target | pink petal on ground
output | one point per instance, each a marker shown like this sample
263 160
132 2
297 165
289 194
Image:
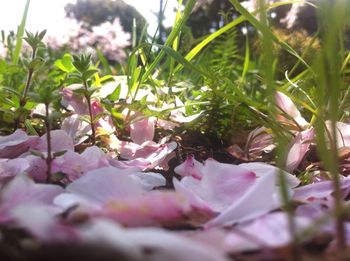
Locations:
261 169
223 184
70 163
190 167
128 150
159 157
43 223
37 168
169 246
94 158
137 164
343 133
105 184
142 130
60 141
287 106
76 128
299 147
17 143
317 211
153 152
108 233
259 199
152 208
21 191
150 180
12 167
259 141
74 102
195 200
165 245
321 190
18 137
269 231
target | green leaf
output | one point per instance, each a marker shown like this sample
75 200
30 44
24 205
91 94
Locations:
37 153
36 63
89 73
65 63
30 128
59 153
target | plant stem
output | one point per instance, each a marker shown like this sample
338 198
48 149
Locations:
48 141
92 124
23 99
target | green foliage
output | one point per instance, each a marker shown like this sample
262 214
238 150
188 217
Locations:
83 64
35 40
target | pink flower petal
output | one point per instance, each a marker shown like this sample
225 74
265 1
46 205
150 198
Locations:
153 152
190 167
21 191
74 102
173 247
94 158
137 164
248 206
37 168
17 143
269 231
299 147
11 167
60 141
105 184
76 128
259 141
150 180
152 208
70 163
321 190
165 245
142 130
287 106
221 185
43 224
195 200
261 169
343 133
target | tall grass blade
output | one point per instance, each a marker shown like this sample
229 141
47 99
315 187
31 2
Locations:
20 33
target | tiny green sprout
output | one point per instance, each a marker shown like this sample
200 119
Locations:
83 65
35 40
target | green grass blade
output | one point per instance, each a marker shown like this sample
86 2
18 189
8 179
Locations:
246 59
172 36
266 30
196 50
20 33
104 61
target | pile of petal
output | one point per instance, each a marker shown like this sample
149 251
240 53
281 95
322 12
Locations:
121 204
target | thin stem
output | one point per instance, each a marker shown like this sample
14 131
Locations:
23 100
92 124
49 158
